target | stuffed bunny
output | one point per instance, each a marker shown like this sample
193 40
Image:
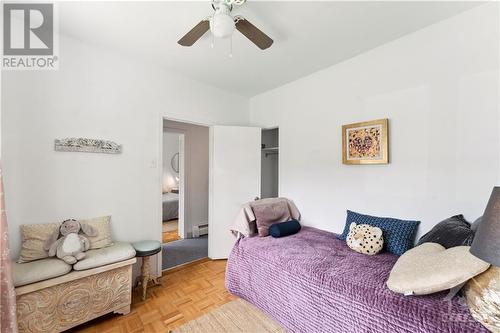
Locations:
71 246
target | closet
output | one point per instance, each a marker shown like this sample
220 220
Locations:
269 163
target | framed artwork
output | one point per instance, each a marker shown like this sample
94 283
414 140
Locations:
366 142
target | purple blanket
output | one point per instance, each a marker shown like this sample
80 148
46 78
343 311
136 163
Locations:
312 282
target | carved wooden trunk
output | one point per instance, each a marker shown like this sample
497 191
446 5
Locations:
58 304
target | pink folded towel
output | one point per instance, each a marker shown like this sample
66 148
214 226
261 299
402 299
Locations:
245 222
266 214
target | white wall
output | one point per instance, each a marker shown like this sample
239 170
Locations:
96 94
170 148
437 86
196 173
439 89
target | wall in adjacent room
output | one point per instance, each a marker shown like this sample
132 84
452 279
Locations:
196 172
269 165
97 94
170 148
439 89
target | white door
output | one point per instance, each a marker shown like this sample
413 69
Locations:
235 159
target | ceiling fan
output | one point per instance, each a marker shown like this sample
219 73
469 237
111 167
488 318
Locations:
222 25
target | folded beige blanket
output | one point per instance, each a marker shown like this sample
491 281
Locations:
272 210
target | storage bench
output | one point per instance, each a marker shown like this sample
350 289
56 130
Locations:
68 300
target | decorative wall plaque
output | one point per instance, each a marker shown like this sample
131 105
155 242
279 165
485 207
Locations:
87 145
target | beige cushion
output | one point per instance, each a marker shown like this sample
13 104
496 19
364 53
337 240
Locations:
94 258
103 227
33 237
38 270
430 268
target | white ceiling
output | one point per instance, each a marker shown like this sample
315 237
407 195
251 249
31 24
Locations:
308 36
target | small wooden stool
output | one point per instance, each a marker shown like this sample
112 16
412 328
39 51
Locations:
146 249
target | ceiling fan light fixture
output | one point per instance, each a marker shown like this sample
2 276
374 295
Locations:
222 25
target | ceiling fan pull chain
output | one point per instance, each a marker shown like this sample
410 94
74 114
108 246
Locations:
212 43
231 46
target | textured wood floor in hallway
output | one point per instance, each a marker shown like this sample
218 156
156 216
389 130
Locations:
169 236
170 231
185 294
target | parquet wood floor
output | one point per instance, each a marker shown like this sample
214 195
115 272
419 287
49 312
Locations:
185 294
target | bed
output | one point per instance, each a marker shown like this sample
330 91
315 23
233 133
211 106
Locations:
312 282
170 206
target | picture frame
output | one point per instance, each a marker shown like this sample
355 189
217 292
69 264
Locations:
366 142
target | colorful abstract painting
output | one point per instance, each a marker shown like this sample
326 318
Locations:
365 143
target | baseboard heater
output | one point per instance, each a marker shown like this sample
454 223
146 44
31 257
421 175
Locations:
200 230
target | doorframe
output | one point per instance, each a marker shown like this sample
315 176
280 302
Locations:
159 164
181 232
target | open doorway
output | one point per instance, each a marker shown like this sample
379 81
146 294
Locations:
173 151
185 193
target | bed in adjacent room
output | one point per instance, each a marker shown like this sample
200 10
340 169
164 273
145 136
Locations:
170 206
313 282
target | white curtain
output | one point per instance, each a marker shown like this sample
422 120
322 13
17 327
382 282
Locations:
8 322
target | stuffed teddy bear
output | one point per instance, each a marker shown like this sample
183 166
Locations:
364 238
71 246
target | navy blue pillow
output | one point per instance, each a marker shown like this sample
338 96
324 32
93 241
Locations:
284 228
399 235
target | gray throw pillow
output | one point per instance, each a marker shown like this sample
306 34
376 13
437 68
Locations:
476 223
454 231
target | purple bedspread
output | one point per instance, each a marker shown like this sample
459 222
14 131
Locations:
312 282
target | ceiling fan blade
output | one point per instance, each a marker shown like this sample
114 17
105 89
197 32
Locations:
253 33
194 34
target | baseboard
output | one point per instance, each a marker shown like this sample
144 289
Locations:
200 231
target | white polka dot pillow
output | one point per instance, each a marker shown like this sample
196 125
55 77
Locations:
364 238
